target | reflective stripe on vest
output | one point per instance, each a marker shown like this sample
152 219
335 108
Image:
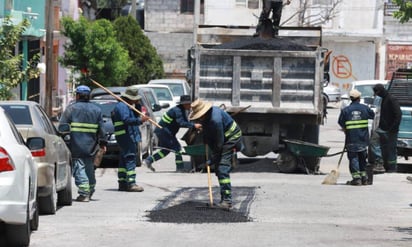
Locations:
84 127
119 128
356 124
166 118
232 133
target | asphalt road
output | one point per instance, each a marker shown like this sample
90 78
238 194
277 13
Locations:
283 209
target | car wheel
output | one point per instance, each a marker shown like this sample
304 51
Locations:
34 222
65 196
19 235
48 204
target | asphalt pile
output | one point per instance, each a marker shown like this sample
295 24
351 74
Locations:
193 212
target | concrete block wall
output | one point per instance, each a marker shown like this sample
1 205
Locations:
172 48
165 16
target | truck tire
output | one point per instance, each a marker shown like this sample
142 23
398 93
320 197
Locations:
287 162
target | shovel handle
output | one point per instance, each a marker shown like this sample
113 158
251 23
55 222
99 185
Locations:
122 100
209 179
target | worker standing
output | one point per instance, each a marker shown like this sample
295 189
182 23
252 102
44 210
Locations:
224 137
274 6
354 121
171 122
86 132
390 119
126 129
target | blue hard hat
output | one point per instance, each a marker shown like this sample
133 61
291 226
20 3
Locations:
82 89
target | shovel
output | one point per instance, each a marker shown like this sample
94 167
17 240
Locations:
332 177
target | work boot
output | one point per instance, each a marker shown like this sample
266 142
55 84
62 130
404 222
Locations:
82 198
355 182
391 169
148 164
135 188
226 205
122 187
364 180
378 169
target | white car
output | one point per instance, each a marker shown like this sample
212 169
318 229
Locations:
178 87
332 93
18 183
164 94
365 87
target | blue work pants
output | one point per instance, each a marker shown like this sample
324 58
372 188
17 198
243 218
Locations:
84 177
126 172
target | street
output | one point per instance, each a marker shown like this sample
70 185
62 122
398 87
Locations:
282 209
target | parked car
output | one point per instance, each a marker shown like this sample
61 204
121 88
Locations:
178 87
54 163
332 93
18 183
107 103
152 98
365 87
164 94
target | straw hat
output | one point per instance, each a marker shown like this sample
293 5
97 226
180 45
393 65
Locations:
131 93
199 108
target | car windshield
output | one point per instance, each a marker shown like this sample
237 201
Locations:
106 107
163 94
177 89
20 114
365 90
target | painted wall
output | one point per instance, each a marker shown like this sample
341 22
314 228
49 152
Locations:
351 61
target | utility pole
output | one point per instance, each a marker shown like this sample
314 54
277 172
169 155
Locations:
48 100
196 18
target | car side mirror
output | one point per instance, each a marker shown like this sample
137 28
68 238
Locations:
64 128
156 107
35 143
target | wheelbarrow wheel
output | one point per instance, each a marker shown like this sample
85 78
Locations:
287 162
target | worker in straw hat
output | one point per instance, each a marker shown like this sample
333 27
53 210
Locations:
171 122
354 121
224 137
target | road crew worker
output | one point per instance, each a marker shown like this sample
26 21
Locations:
171 122
86 133
354 121
224 137
126 129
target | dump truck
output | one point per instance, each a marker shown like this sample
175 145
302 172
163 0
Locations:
273 87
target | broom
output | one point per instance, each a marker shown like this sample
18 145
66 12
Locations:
332 177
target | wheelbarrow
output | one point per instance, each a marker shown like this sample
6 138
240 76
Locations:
297 152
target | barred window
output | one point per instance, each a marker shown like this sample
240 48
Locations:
188 6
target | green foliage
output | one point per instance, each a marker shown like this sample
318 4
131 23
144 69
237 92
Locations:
405 10
11 73
147 64
93 47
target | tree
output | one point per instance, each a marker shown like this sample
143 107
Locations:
147 64
314 15
405 10
94 50
11 72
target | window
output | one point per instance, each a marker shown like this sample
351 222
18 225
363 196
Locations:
250 4
188 6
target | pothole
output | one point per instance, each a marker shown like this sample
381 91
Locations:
190 205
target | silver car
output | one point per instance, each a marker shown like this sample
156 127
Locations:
18 178
54 180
